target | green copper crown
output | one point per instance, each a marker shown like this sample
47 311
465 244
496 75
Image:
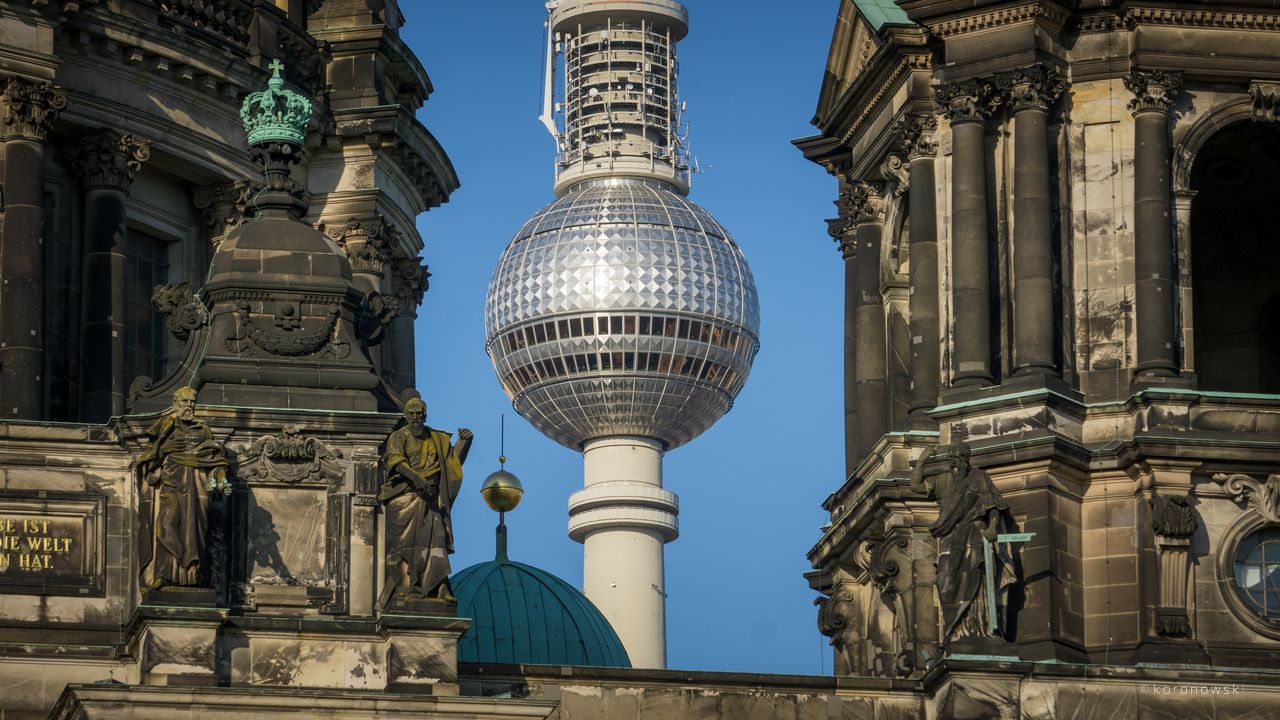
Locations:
275 114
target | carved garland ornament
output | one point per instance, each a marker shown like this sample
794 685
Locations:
291 457
248 334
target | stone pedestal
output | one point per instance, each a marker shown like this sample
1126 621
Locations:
422 652
178 645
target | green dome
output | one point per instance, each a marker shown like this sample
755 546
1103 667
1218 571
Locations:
520 614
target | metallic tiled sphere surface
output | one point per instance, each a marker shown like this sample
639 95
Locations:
622 308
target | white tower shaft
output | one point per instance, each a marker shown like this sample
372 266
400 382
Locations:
624 517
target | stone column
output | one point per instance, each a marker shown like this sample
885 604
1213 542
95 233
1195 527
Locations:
967 105
869 332
222 207
1153 222
105 160
409 282
30 107
920 142
1030 91
841 230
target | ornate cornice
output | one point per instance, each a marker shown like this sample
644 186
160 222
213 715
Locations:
30 107
1223 19
1155 90
970 100
917 136
223 206
998 17
369 243
1260 496
1034 87
106 158
410 280
913 61
1266 101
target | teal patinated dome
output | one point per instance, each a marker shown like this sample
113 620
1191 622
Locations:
522 615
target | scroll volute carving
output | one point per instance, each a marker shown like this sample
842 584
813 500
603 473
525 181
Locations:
840 618
1260 496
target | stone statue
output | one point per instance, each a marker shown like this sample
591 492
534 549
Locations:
970 512
422 473
181 466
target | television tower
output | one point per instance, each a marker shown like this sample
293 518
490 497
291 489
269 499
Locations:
622 319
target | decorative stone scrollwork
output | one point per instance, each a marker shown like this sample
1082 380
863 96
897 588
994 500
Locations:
891 630
1260 496
898 173
970 100
183 311
106 158
841 227
249 335
1032 87
290 457
30 108
838 620
1155 89
1266 101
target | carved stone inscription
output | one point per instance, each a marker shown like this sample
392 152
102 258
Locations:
51 543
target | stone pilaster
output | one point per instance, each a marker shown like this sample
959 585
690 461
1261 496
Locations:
1173 521
106 161
30 107
869 325
841 230
1154 92
967 105
1030 91
918 138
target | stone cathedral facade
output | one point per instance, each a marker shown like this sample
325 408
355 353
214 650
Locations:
1054 223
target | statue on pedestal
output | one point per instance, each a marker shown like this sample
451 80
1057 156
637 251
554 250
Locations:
179 469
971 516
422 473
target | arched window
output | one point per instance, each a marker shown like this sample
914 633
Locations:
1235 254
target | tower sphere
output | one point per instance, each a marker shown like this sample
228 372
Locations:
622 308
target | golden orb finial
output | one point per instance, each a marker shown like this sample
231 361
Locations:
502 491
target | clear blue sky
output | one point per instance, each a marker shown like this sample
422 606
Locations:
749 488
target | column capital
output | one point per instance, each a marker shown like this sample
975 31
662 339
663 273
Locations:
1032 87
971 100
106 158
368 242
30 107
409 282
916 135
224 205
868 202
841 227
1154 90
